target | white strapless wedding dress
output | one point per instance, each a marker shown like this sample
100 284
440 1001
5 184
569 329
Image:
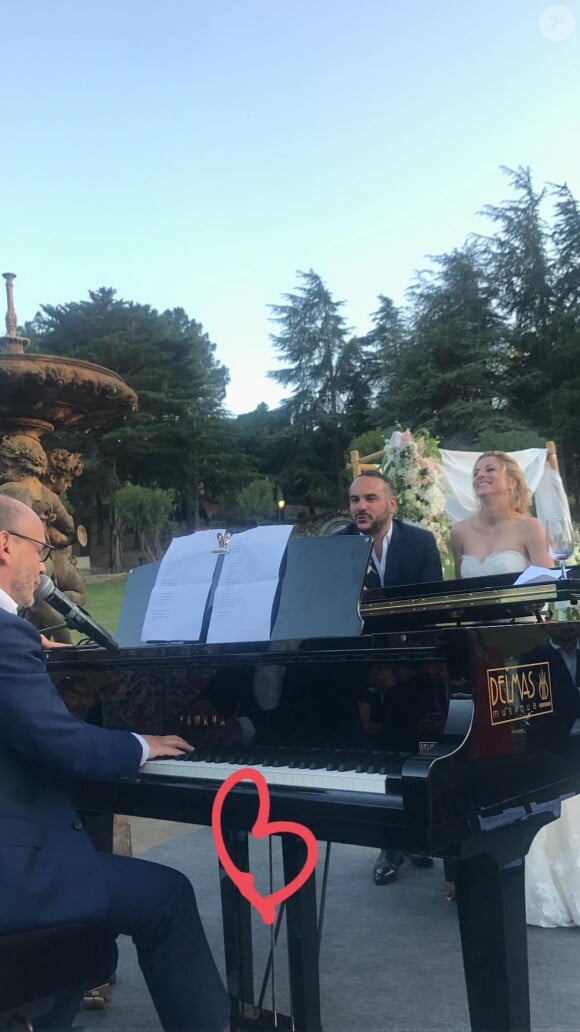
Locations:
494 563
553 871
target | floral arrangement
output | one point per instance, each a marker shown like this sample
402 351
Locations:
412 464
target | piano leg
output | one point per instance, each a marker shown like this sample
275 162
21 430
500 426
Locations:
237 926
492 922
303 943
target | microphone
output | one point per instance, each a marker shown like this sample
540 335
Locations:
75 616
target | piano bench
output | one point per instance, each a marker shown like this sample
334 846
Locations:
37 964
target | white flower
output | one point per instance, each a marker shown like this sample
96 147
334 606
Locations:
410 465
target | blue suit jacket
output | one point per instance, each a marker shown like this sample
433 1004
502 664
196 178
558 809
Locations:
412 557
49 870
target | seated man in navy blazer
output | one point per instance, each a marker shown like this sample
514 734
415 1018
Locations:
402 554
50 872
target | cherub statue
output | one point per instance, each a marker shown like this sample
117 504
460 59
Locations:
63 467
22 462
27 473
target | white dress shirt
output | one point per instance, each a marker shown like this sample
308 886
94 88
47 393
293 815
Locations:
381 563
8 603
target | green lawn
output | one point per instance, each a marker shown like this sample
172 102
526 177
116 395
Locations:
448 565
104 599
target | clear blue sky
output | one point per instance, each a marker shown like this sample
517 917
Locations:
197 154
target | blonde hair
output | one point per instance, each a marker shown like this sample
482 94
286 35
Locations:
520 493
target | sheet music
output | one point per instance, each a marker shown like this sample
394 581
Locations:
178 599
538 575
242 606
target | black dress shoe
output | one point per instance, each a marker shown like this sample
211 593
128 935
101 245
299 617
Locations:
420 860
386 866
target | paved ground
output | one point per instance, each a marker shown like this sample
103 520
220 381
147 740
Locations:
390 958
148 833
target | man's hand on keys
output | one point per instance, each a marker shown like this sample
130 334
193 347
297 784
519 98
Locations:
167 745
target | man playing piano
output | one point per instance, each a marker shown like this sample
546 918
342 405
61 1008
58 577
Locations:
402 554
51 874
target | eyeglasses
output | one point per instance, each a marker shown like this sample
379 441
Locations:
44 550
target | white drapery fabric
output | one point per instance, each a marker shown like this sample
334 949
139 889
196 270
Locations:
543 481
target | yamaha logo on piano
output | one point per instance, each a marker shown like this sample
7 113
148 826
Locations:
519 692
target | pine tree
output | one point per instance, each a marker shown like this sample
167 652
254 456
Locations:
384 347
519 271
312 342
448 374
564 387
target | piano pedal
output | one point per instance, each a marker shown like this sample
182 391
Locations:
258 1019
97 998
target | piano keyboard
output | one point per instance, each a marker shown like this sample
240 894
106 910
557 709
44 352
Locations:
289 776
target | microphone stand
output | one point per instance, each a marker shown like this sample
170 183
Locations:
55 627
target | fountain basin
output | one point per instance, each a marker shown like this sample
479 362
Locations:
62 393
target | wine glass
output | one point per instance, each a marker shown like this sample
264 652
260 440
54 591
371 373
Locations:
560 541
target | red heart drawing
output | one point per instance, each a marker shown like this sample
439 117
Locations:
245 880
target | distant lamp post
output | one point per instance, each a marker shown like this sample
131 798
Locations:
281 506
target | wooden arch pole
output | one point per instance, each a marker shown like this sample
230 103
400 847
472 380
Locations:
358 464
354 464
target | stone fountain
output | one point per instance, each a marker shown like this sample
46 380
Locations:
40 394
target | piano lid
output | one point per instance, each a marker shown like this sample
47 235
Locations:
472 599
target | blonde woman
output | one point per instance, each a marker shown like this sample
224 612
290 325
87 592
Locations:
501 537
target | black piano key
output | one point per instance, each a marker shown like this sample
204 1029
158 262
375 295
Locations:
316 760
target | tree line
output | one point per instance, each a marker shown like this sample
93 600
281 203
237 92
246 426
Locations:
485 353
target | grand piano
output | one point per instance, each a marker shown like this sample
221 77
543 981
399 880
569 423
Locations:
434 722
